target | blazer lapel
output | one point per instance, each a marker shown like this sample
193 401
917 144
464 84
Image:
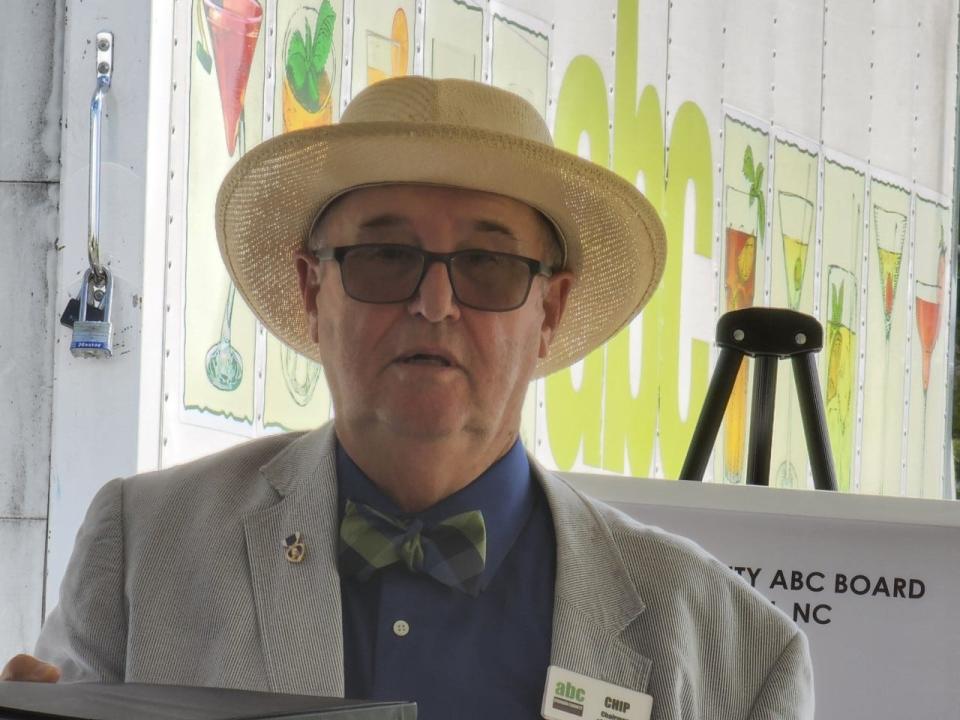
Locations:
298 604
595 600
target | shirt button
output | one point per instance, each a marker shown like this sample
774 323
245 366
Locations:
401 628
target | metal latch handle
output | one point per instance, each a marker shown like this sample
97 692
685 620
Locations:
104 77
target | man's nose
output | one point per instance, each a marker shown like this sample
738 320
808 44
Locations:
435 300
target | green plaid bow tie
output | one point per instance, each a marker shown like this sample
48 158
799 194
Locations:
453 551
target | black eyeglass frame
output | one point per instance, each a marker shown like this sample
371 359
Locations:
428 258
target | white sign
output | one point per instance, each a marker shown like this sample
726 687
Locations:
873 582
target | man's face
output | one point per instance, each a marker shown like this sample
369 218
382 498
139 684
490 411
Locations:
428 367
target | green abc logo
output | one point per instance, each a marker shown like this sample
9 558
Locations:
570 691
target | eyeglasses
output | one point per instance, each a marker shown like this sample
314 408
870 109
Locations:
390 273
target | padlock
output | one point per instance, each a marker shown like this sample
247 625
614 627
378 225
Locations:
93 338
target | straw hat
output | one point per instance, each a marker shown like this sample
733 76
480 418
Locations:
441 132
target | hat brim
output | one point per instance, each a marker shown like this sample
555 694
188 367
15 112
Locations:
615 242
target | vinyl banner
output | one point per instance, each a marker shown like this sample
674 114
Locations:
799 158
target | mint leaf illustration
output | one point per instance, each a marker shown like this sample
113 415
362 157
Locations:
307 55
748 164
323 38
836 304
754 175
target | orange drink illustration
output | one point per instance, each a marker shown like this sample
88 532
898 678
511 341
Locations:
388 56
739 279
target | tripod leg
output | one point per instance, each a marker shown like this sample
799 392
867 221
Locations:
761 420
814 422
714 406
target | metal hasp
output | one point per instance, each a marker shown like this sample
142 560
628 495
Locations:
768 335
104 77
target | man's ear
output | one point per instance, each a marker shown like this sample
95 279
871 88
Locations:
554 303
308 277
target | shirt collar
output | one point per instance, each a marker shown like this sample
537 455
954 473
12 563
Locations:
504 493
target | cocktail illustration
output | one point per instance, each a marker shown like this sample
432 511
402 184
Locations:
309 68
890 231
739 278
234 29
929 301
796 228
388 56
841 341
300 375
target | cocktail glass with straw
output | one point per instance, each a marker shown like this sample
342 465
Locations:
234 29
739 279
841 341
890 231
796 230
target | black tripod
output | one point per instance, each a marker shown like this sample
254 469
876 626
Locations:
766 334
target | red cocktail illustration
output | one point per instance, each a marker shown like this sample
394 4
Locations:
929 301
234 29
890 230
928 325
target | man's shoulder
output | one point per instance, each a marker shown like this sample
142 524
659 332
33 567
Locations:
669 571
231 478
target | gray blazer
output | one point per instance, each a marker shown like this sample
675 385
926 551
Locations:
180 577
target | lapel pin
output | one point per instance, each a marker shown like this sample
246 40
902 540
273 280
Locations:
294 547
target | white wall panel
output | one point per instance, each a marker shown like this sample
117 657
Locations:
21 584
798 66
847 42
30 82
28 216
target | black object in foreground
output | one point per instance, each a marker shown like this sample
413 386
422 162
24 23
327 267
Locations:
767 334
95 701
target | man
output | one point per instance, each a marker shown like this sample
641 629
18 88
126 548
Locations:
435 253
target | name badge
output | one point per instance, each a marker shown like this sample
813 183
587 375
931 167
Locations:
569 695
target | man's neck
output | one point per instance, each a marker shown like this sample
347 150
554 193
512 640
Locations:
418 473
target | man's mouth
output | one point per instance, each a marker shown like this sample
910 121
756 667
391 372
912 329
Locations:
426 359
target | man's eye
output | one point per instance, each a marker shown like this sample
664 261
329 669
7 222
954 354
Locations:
391 254
479 260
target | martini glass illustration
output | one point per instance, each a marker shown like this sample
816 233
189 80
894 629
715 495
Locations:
387 56
309 68
890 231
739 279
841 340
300 375
796 229
234 29
929 301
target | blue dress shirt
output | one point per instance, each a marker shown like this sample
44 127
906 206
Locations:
408 637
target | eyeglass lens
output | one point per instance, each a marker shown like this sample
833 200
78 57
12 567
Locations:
480 279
